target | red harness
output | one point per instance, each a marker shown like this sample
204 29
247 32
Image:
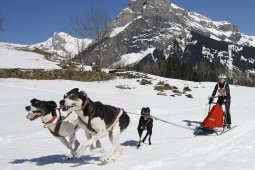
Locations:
88 125
57 127
118 111
52 119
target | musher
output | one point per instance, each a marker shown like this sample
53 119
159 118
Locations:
224 97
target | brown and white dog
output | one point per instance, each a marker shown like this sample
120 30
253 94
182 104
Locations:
98 120
61 124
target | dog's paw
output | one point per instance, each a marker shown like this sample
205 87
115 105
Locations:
69 155
98 150
108 158
117 152
80 152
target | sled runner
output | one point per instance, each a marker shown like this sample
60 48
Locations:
214 123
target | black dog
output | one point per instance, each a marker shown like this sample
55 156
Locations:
145 123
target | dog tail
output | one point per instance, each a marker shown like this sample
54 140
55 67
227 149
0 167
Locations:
124 121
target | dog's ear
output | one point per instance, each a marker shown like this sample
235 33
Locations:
82 93
75 90
33 100
52 104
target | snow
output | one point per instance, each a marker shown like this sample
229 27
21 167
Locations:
27 145
63 44
247 40
215 31
252 71
230 59
212 27
243 59
118 30
197 16
214 37
176 7
13 58
132 58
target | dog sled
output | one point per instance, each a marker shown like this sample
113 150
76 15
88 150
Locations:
214 123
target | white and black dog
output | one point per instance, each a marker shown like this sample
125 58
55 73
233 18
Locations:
97 119
60 123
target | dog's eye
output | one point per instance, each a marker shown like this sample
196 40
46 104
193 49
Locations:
73 96
35 104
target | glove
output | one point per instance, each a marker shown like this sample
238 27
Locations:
210 100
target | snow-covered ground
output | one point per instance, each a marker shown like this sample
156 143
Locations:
27 145
10 57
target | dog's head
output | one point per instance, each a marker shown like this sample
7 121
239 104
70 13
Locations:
145 112
39 108
73 100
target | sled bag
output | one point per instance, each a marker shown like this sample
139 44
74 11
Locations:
214 117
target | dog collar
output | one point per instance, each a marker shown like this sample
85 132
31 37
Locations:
52 119
85 104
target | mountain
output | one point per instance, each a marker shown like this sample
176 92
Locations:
63 45
158 27
60 47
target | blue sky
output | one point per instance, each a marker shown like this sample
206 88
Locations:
33 21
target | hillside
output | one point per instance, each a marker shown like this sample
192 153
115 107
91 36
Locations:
44 55
21 56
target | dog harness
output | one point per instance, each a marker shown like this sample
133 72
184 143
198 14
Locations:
145 124
88 125
58 124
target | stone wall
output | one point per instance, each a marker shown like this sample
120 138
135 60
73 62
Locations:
55 74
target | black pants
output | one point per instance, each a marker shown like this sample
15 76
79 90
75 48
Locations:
227 102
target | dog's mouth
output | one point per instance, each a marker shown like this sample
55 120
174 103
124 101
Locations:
65 107
33 115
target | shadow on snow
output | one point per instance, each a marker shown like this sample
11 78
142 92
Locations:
130 143
195 124
61 159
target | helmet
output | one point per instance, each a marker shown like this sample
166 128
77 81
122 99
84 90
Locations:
222 76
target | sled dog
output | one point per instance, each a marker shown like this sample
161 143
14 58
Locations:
145 123
61 124
98 120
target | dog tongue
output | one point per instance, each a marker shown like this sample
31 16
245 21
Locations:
33 115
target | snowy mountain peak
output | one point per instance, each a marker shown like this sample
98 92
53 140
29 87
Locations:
162 26
179 17
64 45
137 5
